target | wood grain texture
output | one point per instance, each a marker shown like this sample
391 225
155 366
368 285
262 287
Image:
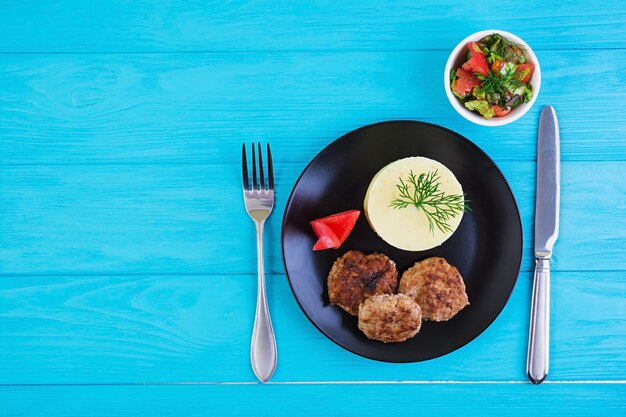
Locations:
137 329
159 26
316 400
125 254
186 219
197 108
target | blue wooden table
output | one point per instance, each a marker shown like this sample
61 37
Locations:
127 272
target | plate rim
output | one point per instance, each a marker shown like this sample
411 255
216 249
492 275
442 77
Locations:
343 137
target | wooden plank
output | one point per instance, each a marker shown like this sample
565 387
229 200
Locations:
186 219
118 26
314 400
107 108
137 329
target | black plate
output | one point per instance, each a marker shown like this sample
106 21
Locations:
486 248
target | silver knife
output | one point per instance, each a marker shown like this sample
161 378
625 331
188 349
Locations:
546 233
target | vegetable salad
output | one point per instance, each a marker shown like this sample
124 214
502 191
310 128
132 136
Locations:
495 77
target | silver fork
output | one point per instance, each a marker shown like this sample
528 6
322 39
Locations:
259 202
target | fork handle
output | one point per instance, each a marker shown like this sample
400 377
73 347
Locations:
263 346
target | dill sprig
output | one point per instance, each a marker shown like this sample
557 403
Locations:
423 193
497 87
503 80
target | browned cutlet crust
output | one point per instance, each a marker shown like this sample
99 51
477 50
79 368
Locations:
437 287
390 317
355 277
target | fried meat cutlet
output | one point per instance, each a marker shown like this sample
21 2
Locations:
437 287
355 277
390 317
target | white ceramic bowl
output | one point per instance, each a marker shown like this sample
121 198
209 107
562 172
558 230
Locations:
459 56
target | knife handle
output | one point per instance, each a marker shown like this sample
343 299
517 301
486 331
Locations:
539 336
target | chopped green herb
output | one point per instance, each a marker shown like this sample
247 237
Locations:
423 193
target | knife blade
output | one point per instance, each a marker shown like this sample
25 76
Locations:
548 184
546 233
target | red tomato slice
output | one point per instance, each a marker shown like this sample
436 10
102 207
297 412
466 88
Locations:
499 111
325 242
327 238
513 55
477 62
341 223
464 83
525 72
474 48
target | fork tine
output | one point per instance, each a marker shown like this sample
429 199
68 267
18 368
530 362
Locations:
255 181
270 169
261 173
244 169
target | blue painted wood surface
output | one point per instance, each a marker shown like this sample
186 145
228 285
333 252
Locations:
127 273
322 399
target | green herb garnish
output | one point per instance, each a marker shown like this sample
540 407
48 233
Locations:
423 193
495 86
497 46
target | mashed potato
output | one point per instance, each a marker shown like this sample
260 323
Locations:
408 228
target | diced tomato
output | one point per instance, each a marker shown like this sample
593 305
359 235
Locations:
327 239
464 83
333 230
499 111
497 65
474 48
341 223
325 242
525 72
477 62
514 54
